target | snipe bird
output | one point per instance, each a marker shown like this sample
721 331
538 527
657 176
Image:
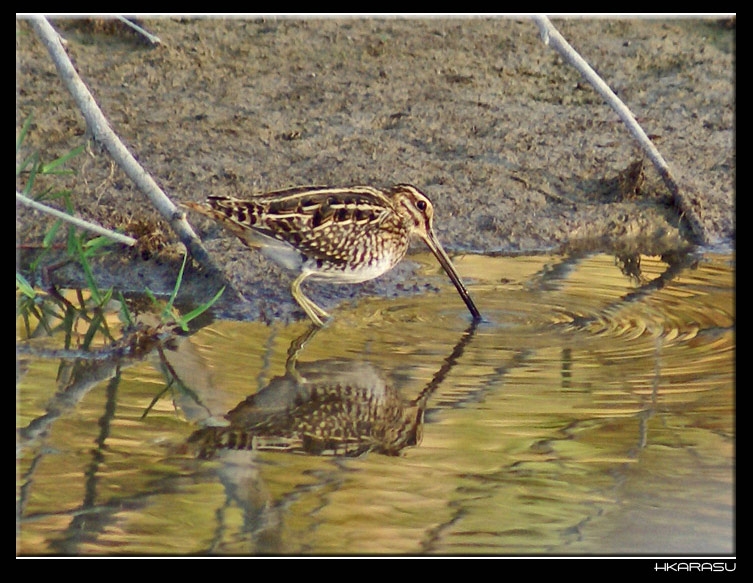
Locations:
338 235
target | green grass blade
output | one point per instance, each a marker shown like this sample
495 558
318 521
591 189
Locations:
92 246
186 318
24 133
32 173
47 241
178 283
52 167
88 275
124 311
96 322
23 285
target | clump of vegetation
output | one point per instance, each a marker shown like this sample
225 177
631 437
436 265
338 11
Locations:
45 308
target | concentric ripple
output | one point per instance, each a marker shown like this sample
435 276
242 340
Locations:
592 411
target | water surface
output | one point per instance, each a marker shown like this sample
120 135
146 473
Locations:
592 412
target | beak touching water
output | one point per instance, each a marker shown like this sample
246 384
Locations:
444 261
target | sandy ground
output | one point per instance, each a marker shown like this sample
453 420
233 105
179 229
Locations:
517 152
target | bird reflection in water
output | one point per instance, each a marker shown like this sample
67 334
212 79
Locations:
325 407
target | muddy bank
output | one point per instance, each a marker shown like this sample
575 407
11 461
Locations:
516 151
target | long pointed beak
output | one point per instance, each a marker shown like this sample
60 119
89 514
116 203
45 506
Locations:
444 261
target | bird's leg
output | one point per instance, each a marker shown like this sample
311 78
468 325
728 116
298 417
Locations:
318 315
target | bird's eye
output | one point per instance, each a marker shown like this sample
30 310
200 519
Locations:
421 205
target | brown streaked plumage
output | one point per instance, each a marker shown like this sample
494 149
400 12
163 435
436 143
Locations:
337 407
340 235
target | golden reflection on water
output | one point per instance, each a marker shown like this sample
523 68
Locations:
592 412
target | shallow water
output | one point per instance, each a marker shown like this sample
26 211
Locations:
592 412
